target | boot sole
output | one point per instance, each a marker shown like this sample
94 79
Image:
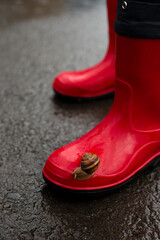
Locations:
81 99
101 192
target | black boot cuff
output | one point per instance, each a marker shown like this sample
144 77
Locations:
138 19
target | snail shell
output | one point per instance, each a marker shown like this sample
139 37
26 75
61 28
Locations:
89 164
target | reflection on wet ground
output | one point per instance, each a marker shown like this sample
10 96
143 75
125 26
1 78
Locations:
46 38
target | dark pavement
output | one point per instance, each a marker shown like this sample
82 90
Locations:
38 39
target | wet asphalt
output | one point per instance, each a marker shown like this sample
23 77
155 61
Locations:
38 39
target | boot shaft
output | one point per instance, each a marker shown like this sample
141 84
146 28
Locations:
137 67
111 10
137 61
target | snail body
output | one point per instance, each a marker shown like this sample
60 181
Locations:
89 164
79 174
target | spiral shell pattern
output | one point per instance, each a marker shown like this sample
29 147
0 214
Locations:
90 163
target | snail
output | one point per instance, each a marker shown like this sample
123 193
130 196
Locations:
89 164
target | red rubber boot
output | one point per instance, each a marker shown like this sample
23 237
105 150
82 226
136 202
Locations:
95 81
128 139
